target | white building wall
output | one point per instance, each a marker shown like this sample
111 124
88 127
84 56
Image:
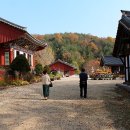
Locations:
26 55
14 54
20 52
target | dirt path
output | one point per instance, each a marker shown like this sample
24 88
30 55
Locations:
21 108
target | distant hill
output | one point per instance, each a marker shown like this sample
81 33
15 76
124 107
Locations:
73 48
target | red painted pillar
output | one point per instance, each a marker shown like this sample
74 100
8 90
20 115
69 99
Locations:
2 58
11 55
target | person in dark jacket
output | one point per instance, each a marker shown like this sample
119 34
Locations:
83 83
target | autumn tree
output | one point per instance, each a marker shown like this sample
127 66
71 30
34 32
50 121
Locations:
74 48
92 65
45 56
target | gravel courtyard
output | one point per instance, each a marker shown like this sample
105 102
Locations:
107 107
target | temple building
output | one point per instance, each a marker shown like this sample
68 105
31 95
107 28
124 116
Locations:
63 67
122 43
15 40
113 63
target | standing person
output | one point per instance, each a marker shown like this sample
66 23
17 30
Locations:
45 82
83 83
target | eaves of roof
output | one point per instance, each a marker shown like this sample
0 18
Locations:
27 35
63 62
12 24
36 41
111 61
125 21
123 27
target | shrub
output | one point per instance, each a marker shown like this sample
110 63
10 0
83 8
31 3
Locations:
58 76
3 83
54 72
36 79
39 69
20 64
9 75
47 69
19 82
52 76
28 77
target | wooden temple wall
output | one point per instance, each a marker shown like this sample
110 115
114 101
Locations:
12 53
7 33
62 68
3 52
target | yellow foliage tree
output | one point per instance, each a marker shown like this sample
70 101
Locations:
58 37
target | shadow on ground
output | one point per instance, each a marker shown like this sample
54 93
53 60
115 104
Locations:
119 107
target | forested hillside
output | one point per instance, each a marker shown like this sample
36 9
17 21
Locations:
74 48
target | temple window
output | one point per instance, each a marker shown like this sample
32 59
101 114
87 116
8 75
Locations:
6 58
29 59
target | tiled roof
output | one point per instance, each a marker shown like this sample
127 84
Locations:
123 33
125 21
26 34
111 61
63 62
36 40
12 24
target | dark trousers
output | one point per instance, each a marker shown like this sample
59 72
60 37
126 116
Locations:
45 90
83 90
